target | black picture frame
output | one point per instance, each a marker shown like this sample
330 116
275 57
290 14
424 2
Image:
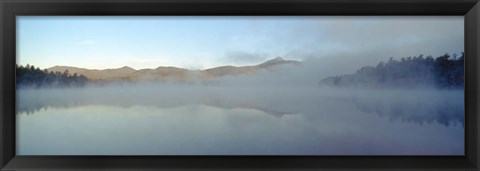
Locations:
470 9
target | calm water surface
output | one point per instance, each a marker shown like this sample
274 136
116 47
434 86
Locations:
119 121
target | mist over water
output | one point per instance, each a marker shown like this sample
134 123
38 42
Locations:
227 119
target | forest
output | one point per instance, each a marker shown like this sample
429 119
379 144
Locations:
444 71
31 76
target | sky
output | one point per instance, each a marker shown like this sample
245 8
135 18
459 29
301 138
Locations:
201 42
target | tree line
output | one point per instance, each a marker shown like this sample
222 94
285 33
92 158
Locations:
444 71
31 76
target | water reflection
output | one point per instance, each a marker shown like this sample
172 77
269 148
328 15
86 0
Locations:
417 106
238 121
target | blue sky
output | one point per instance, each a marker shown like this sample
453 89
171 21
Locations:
101 42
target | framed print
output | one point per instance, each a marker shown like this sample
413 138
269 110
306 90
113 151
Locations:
239 85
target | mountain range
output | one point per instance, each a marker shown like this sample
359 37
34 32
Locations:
172 73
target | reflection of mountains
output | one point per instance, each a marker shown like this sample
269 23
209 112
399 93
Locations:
413 106
31 109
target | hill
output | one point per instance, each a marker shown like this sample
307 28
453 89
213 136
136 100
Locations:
172 73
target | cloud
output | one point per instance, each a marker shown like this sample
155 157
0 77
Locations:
347 43
88 42
241 57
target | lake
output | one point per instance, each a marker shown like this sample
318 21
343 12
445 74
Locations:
216 120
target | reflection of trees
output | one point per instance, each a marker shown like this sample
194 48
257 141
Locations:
421 113
34 108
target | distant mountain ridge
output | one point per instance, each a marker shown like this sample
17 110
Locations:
172 73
